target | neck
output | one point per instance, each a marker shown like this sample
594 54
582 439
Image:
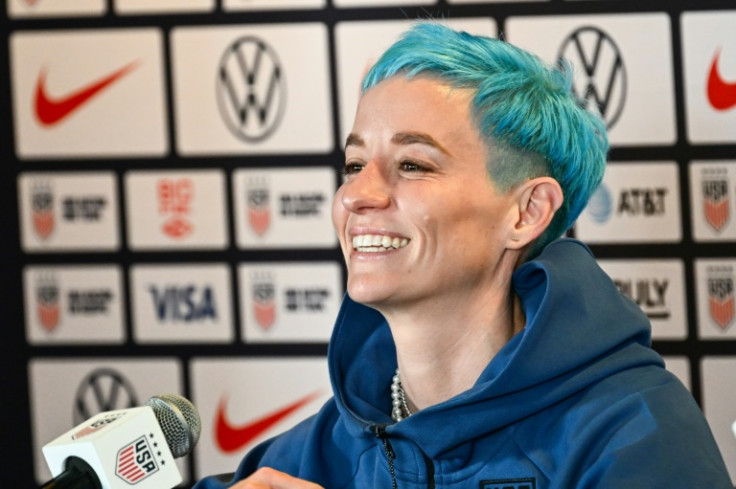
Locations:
443 349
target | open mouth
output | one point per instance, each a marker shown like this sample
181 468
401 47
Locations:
374 243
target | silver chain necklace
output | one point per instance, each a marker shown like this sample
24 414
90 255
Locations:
399 408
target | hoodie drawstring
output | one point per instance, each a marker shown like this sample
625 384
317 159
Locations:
380 432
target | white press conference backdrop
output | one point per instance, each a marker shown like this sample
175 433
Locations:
170 166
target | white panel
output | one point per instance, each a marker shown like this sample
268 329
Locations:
55 8
628 54
658 288
88 93
709 59
714 286
289 302
64 393
176 209
252 89
71 211
637 202
719 404
712 200
245 392
80 304
181 303
284 208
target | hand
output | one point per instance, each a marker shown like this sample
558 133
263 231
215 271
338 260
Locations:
268 478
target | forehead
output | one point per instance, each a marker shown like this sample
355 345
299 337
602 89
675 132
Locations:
421 104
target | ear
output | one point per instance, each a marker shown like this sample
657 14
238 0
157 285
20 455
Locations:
538 199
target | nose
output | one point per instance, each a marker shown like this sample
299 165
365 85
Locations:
366 190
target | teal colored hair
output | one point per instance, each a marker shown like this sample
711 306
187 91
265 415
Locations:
530 120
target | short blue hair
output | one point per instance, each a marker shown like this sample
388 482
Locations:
525 110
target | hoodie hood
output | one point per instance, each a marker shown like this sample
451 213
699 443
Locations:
579 329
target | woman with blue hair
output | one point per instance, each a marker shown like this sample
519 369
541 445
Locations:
474 348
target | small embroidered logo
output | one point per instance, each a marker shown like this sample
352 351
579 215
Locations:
526 483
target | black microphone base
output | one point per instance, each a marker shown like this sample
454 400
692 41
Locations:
77 475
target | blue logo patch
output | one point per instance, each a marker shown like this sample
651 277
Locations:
526 483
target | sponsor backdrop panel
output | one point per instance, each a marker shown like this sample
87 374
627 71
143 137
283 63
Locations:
74 304
289 302
109 102
284 208
719 404
252 89
236 5
243 409
658 288
176 209
635 203
18 9
71 212
66 392
622 65
709 58
712 201
170 165
124 7
181 303
715 298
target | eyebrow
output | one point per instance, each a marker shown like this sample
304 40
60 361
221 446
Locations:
403 139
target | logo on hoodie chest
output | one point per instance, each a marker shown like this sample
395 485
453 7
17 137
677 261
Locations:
525 483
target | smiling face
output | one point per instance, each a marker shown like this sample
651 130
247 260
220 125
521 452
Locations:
418 218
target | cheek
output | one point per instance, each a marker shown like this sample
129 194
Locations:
338 211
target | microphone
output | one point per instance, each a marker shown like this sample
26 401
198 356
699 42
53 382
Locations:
130 448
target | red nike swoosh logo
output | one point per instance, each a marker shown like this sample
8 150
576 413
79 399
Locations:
50 111
721 94
231 438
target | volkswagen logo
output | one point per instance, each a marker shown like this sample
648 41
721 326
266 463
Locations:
251 92
602 82
104 389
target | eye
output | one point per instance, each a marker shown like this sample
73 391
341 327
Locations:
412 167
351 168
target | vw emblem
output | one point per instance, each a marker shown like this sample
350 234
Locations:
602 82
251 92
104 389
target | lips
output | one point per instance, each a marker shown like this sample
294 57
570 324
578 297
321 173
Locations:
374 243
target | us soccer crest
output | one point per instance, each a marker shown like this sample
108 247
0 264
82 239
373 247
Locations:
716 202
264 304
259 208
42 210
135 461
721 300
47 303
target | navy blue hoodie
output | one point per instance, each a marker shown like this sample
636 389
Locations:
577 399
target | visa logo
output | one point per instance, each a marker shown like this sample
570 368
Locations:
189 303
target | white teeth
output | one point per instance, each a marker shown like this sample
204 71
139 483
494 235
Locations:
372 243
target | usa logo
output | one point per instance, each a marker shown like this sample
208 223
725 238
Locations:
251 92
259 207
264 306
716 202
721 300
525 483
42 210
47 303
174 200
135 461
603 84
